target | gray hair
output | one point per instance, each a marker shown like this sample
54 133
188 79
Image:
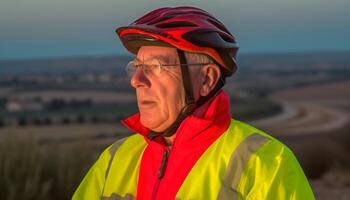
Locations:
202 58
198 58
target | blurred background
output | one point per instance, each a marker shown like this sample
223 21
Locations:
63 88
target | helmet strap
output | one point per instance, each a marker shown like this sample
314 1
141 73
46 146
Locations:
186 79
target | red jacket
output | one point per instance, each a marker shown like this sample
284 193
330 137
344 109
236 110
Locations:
163 169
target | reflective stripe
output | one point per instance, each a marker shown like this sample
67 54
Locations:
118 197
123 171
237 164
112 150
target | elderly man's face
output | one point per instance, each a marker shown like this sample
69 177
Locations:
160 98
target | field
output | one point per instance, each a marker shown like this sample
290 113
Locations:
94 96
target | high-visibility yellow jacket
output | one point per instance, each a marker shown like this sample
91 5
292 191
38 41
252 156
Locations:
214 157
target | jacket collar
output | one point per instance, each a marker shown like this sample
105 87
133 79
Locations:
215 116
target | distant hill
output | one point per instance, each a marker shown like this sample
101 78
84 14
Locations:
300 56
279 62
58 66
293 60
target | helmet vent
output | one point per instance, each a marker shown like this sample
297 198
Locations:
159 19
218 25
177 24
227 38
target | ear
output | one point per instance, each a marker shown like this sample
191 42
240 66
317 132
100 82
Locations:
210 75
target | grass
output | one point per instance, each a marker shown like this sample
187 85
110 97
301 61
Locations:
31 171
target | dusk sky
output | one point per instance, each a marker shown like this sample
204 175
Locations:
61 28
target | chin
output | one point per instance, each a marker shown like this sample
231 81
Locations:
150 124
147 121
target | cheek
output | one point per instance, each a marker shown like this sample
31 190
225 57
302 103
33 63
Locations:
172 99
175 101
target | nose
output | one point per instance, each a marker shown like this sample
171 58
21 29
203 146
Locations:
139 79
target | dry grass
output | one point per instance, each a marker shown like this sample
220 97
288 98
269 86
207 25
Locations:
71 131
32 171
335 184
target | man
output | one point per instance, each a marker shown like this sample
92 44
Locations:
186 145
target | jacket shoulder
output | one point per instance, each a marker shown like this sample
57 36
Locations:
93 184
271 169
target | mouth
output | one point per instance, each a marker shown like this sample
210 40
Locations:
147 102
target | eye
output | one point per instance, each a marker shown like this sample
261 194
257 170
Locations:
137 65
152 68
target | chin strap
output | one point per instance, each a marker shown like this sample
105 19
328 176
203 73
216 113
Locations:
190 103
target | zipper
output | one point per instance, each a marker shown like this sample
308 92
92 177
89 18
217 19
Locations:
161 172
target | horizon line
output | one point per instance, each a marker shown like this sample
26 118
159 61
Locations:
107 55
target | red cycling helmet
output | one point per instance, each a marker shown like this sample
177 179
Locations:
186 28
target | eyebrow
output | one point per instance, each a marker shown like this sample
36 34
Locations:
166 59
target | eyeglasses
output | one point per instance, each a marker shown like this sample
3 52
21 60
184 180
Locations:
152 69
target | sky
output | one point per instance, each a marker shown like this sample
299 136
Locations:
31 29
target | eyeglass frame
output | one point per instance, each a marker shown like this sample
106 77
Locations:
160 66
